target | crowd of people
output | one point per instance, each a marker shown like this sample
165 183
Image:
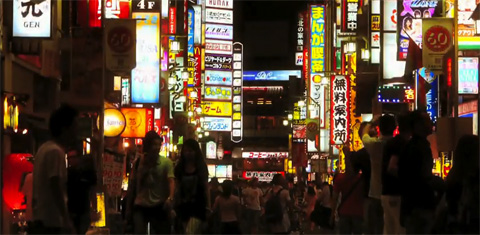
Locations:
386 188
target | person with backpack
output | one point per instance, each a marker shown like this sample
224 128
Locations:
278 201
350 186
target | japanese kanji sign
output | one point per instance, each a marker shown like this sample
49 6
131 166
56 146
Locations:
349 15
32 19
317 98
317 39
340 109
300 31
114 9
437 40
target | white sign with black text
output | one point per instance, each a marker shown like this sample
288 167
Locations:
32 19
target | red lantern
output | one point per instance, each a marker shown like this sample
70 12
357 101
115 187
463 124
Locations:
14 167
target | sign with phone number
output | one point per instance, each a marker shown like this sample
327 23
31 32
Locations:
217 124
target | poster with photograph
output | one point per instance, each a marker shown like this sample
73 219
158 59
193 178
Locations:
409 24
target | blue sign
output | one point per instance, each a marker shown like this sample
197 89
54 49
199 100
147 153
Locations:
273 75
317 39
191 36
432 100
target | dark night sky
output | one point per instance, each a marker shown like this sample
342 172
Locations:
267 30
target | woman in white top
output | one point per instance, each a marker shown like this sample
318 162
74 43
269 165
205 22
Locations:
229 208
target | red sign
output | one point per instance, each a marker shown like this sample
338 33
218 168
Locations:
437 38
197 63
172 18
114 9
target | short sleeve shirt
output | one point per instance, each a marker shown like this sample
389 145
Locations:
49 162
153 186
352 205
252 198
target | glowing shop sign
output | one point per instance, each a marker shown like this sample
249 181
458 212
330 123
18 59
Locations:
349 15
468 75
340 109
218 31
218 16
227 4
263 176
317 98
32 19
264 154
146 76
217 124
114 9
270 75
211 150
237 124
218 47
114 122
218 93
218 78
216 108
317 39
139 121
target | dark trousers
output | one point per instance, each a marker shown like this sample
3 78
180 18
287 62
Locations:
231 228
157 217
374 216
37 227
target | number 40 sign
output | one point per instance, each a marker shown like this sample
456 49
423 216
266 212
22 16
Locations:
437 40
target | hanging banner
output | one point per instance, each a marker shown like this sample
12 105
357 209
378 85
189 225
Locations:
32 19
339 110
437 40
410 17
317 39
120 45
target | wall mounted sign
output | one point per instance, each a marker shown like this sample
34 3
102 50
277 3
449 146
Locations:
339 109
218 62
317 98
437 40
120 45
317 39
145 5
217 124
237 122
217 108
211 152
222 78
390 15
139 121
300 33
468 75
114 122
218 47
32 19
218 93
262 176
218 16
227 4
114 9
349 15
270 75
218 31
264 154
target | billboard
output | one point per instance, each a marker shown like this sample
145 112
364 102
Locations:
146 76
218 16
221 78
139 122
218 47
218 93
317 39
339 109
410 26
270 75
218 31
217 124
217 108
468 75
32 19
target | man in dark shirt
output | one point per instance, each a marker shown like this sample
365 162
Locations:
415 174
391 190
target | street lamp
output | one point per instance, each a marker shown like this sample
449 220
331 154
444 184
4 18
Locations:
285 122
301 103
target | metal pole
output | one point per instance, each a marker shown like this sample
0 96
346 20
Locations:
1 142
455 81
101 144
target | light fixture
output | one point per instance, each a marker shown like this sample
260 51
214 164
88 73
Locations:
199 129
349 47
172 80
202 120
365 54
175 46
311 107
185 74
325 81
25 131
301 103
199 110
200 136
190 113
193 94
285 122
290 116
207 133
126 144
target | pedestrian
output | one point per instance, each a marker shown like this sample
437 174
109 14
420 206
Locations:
253 199
191 197
229 208
415 175
374 146
310 201
461 200
49 197
151 189
350 186
391 199
324 205
276 207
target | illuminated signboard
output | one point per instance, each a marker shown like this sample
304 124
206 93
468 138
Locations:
139 122
114 123
145 5
410 26
375 23
218 47
217 108
218 62
340 109
218 78
217 124
227 4
270 75
114 9
172 19
432 100
393 68
390 15
218 93
468 75
466 25
146 76
197 65
191 19
237 125
264 154
317 39
125 92
32 19
217 31
197 24
349 15
396 94
262 176
218 16
211 150
317 98
300 32
299 58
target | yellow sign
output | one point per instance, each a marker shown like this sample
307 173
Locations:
217 109
114 123
138 122
10 117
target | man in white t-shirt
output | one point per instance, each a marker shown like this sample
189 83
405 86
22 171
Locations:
49 198
253 196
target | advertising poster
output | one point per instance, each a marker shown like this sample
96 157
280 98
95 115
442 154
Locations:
437 40
221 78
410 16
32 19
317 39
217 124
468 75
211 150
139 122
340 110
113 166
146 76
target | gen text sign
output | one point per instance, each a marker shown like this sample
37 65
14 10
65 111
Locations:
32 19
